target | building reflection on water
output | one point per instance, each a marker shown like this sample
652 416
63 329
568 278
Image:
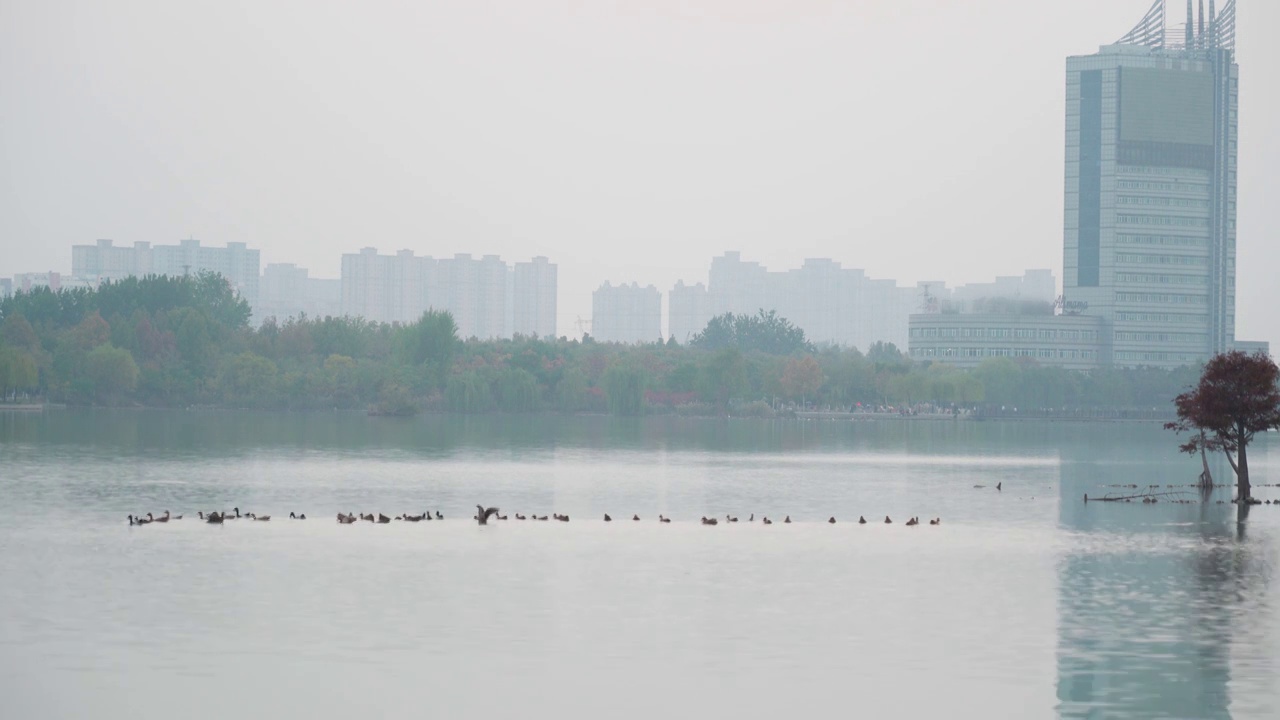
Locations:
1150 596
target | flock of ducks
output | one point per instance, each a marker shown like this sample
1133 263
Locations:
482 517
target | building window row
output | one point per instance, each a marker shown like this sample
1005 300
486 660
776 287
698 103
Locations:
1161 357
980 353
946 333
1161 298
1159 171
1163 201
1163 318
1143 259
1151 279
1174 240
1168 186
1163 220
1179 338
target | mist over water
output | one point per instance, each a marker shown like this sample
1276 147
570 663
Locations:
1023 603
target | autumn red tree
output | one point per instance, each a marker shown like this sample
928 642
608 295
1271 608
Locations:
1236 398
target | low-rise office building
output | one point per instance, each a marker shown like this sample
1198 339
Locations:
1074 342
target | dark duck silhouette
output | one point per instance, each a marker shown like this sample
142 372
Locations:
214 519
635 517
710 521
607 518
887 521
483 514
862 520
786 520
831 520
383 519
520 517
767 521
936 521
663 519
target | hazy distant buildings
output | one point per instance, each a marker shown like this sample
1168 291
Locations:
833 305
479 292
287 291
689 309
626 314
104 261
534 298
6 287
26 282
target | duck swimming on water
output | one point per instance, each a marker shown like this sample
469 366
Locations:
862 520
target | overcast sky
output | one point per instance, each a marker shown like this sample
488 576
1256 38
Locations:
626 140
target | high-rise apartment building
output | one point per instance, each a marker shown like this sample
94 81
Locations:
287 291
689 309
104 261
1150 229
832 304
478 292
626 314
534 298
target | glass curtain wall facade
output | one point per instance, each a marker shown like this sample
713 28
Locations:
1150 227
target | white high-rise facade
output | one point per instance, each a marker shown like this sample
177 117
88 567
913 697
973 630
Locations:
236 262
626 314
1149 239
534 298
478 292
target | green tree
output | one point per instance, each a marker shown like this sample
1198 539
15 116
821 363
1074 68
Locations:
624 386
801 378
764 332
17 372
248 380
724 377
111 372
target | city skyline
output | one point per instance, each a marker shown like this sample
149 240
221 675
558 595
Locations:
634 197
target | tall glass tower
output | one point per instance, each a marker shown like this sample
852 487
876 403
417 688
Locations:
1149 241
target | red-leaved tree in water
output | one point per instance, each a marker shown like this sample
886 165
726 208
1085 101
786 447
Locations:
1236 398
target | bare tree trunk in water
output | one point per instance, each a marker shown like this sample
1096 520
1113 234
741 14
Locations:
1242 469
1206 477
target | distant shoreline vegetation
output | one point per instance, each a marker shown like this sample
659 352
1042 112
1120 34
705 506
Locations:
162 341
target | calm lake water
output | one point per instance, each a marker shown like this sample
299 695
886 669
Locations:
1023 603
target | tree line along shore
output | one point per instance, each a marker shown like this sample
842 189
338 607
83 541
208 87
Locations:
161 341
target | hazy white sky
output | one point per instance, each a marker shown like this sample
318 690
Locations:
627 140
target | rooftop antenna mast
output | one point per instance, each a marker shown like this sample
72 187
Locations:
1201 43
1191 25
